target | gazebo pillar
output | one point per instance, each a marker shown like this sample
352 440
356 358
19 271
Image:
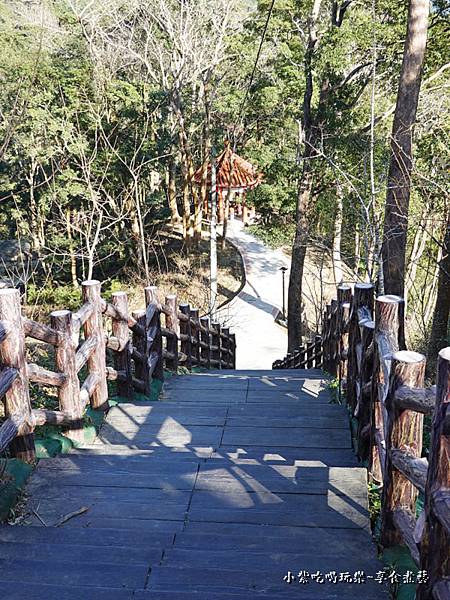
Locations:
220 212
244 210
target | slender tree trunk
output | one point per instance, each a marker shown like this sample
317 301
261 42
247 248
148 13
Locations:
418 248
399 177
172 192
357 249
337 258
73 260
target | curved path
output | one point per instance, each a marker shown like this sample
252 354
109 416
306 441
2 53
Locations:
251 315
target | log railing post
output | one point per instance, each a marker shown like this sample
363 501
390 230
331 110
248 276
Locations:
310 355
93 326
389 315
173 324
233 347
141 366
404 431
69 392
318 352
153 332
325 338
226 346
364 388
185 329
435 544
333 356
12 354
363 295
122 358
205 338
344 298
219 343
195 333
215 342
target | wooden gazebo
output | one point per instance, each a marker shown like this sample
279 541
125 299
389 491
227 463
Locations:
234 177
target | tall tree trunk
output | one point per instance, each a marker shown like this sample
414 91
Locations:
337 258
400 167
304 193
439 328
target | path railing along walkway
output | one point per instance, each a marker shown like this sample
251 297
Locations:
139 344
363 346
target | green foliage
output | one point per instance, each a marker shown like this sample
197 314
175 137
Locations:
55 296
333 387
274 234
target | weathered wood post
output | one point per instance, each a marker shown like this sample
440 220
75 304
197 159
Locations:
435 559
334 348
324 338
93 327
404 432
344 298
363 296
185 334
12 354
226 347
173 324
233 346
219 343
310 355
318 351
140 355
215 343
153 332
195 333
389 315
65 362
364 389
205 338
122 357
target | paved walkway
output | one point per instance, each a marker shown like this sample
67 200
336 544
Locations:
216 493
251 315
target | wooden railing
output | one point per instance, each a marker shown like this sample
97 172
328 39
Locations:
363 345
309 356
140 345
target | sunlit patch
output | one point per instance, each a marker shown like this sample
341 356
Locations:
267 457
268 382
171 430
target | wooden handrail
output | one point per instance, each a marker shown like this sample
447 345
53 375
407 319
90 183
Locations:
139 344
384 389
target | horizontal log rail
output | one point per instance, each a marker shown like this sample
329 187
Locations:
41 332
141 345
7 377
362 345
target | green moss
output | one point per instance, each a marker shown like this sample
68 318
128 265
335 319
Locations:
11 484
399 559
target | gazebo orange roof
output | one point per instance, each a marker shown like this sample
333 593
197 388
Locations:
244 176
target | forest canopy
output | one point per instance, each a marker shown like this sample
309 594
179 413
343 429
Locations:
107 109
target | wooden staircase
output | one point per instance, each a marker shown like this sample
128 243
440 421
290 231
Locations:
219 491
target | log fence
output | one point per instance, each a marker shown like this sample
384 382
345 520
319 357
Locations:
363 347
141 345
